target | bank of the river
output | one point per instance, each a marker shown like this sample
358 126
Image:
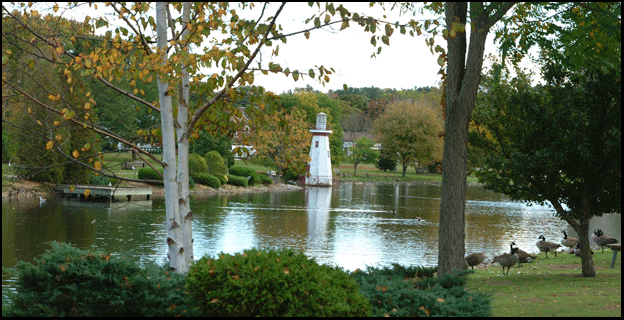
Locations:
23 188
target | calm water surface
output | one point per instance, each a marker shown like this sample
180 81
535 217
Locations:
348 225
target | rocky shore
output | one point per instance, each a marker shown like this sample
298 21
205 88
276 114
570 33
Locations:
22 188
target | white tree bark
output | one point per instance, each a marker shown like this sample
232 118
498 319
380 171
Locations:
175 232
186 221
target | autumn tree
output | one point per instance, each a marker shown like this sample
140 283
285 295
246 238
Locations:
285 141
410 129
362 152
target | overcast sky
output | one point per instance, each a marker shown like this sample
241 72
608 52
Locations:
405 64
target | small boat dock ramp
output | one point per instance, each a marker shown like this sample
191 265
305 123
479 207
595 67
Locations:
99 193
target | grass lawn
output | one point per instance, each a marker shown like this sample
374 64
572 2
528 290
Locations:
553 287
376 175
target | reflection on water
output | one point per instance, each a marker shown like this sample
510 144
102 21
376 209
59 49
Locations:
350 225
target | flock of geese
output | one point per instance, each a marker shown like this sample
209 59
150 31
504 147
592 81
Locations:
518 256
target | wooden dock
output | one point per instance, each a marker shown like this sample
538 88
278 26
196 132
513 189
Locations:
110 193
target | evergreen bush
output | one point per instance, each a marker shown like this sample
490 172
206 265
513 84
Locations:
246 172
414 291
208 180
197 165
237 181
272 283
149 174
99 180
216 164
66 281
265 179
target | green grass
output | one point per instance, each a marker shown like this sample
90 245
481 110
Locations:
376 175
553 287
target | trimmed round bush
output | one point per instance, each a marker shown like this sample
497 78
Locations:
237 181
246 172
208 180
265 179
216 164
273 283
197 164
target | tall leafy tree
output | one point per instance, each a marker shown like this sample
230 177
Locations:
559 143
362 152
285 140
410 130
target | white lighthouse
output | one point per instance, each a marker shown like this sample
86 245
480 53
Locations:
319 169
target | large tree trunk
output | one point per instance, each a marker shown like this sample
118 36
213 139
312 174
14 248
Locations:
462 83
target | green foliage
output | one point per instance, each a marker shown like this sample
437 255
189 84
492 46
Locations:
558 143
149 174
363 152
66 281
99 180
265 179
246 172
206 142
410 129
413 291
237 181
386 160
208 180
197 165
273 283
215 163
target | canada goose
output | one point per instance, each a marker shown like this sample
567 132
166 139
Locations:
523 256
577 249
391 211
545 246
475 259
568 241
601 239
418 218
507 259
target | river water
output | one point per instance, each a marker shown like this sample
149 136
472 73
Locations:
350 225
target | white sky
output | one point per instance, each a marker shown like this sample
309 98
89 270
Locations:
405 64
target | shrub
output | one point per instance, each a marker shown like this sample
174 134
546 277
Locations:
149 174
67 281
208 180
197 165
222 177
216 164
392 292
237 181
265 179
246 172
272 283
99 180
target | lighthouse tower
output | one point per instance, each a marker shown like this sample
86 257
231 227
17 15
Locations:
319 169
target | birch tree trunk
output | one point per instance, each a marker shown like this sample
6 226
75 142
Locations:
186 223
175 232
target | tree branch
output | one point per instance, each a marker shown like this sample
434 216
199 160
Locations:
221 93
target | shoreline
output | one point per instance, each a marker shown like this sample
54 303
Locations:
26 189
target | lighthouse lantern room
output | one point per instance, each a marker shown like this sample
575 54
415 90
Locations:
319 169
